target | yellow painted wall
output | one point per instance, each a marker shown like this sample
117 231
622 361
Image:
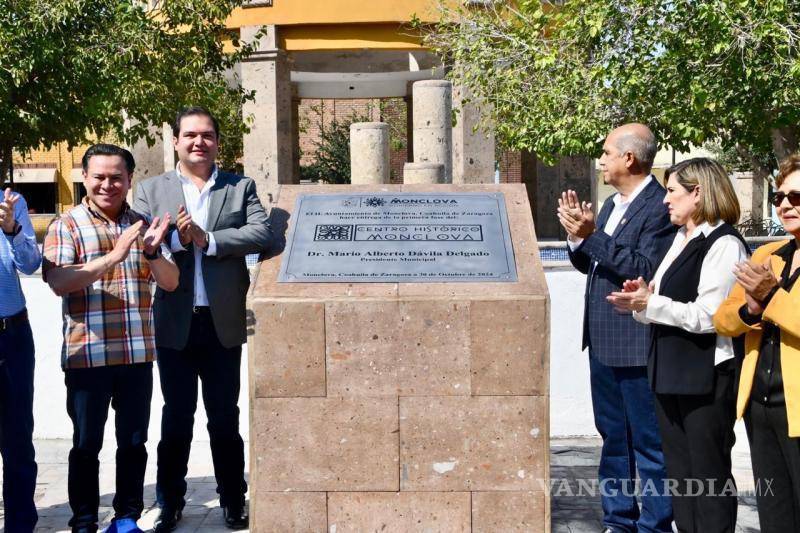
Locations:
289 12
64 160
349 37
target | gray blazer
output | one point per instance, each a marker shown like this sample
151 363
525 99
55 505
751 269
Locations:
240 227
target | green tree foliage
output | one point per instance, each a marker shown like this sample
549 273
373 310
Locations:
76 70
332 164
560 74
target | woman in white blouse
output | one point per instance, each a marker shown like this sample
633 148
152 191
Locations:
691 369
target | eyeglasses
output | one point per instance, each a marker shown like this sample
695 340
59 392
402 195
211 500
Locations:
793 196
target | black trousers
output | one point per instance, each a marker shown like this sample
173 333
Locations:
128 388
697 437
217 368
776 467
16 427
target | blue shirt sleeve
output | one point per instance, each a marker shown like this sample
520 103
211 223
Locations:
24 249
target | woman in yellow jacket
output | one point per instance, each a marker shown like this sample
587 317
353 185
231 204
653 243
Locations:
765 306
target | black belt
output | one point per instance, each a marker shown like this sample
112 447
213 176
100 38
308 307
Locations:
197 309
14 320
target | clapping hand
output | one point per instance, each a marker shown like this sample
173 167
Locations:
633 296
188 231
757 281
123 245
575 216
153 236
7 220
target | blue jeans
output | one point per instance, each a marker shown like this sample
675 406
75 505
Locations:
16 427
625 416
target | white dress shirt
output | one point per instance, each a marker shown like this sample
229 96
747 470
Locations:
716 281
615 218
197 207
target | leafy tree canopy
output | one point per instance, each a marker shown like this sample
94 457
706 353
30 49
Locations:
75 70
559 75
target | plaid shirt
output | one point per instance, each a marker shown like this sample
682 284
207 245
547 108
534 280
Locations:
110 321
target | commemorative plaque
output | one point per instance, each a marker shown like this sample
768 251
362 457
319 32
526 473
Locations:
405 406
399 237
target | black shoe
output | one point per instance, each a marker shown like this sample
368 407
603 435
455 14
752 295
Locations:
167 519
235 517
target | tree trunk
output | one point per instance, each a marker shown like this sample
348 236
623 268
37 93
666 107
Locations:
760 185
6 163
784 141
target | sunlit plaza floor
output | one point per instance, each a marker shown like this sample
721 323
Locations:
572 461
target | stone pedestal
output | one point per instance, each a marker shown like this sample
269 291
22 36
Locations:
268 148
401 407
433 131
369 153
423 173
473 147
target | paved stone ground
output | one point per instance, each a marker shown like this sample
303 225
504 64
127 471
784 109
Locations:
577 459
571 460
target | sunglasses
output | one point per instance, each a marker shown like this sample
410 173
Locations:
792 196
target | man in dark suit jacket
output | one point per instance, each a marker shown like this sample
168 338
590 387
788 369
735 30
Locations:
631 236
200 327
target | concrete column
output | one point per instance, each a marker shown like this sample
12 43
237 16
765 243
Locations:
577 173
409 128
169 148
296 137
749 189
545 184
473 147
547 189
268 148
152 160
433 132
529 177
369 153
423 173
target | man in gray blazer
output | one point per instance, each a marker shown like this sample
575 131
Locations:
200 327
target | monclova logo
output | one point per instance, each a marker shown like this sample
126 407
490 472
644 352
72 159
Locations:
374 202
422 201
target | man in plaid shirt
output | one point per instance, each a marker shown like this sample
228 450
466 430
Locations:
101 258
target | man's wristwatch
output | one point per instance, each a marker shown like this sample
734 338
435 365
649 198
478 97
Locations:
208 241
15 231
153 256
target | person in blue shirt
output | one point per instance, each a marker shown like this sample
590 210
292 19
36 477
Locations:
18 253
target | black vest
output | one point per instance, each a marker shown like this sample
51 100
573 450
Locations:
681 362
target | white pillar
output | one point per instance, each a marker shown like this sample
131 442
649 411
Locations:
473 147
369 153
268 152
433 135
423 173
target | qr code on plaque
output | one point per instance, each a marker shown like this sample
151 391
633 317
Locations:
334 232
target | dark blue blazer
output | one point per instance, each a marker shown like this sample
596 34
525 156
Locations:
636 248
